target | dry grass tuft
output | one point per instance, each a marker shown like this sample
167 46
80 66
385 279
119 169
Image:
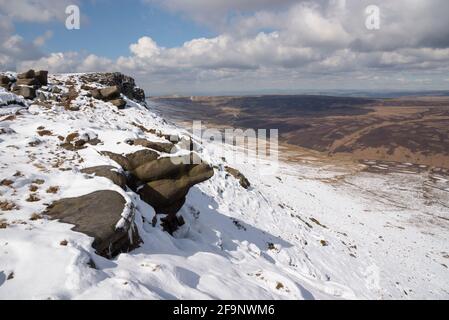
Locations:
53 189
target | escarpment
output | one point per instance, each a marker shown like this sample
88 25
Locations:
88 128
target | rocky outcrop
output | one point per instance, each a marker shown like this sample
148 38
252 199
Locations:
108 172
164 192
26 83
126 84
163 183
97 215
109 94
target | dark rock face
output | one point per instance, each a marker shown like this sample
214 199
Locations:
239 176
42 77
165 147
5 82
126 84
108 172
97 215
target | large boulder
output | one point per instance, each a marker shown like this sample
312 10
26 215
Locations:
108 172
166 147
24 91
167 196
162 168
27 82
127 84
32 78
132 160
163 183
27 74
97 215
141 157
110 93
163 194
96 94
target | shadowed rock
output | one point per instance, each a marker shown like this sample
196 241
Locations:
108 172
121 160
42 77
96 94
110 93
97 215
167 196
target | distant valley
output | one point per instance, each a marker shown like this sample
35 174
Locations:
406 129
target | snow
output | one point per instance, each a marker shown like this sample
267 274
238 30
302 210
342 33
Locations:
383 239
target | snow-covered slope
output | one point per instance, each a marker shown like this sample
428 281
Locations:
292 235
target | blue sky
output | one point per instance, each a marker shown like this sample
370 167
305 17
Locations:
108 28
213 46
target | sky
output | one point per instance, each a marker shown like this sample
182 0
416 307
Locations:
221 46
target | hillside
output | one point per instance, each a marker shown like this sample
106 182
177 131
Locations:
92 208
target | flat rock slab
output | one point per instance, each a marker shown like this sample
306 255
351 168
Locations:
108 172
166 147
96 215
162 168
